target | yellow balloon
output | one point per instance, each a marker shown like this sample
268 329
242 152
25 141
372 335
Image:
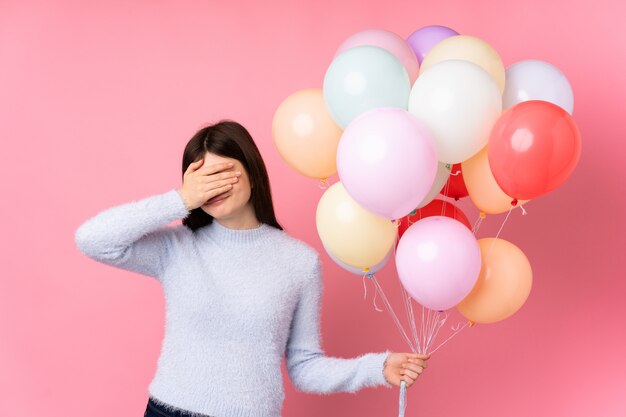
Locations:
306 135
467 48
354 235
482 187
503 285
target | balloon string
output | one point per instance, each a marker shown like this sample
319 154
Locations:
433 329
370 276
439 325
375 306
411 314
523 210
500 230
477 223
427 326
446 187
379 290
408 301
364 287
456 331
402 407
422 331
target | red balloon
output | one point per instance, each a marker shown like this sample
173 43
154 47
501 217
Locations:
533 148
455 187
434 208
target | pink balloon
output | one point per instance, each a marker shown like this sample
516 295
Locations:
358 271
386 40
387 161
438 262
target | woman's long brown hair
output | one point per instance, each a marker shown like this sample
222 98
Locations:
230 139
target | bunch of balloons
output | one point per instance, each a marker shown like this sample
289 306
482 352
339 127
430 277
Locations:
401 121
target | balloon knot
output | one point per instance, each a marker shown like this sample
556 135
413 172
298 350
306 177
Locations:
514 202
472 323
483 214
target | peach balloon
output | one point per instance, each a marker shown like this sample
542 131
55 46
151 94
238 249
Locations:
503 284
468 48
355 236
482 187
306 135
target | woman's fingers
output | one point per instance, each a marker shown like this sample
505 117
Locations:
418 356
416 369
217 191
194 166
218 184
215 168
418 362
219 176
413 368
410 373
405 367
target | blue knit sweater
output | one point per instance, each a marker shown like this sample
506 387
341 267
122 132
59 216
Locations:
236 302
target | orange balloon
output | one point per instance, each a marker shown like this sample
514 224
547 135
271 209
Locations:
503 285
306 135
482 187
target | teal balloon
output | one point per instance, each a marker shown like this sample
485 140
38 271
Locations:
364 78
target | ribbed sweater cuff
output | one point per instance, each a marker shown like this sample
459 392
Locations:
375 367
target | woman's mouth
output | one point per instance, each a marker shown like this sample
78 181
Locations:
216 200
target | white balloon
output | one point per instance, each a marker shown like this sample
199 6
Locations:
443 173
534 79
460 103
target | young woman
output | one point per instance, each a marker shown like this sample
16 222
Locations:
240 293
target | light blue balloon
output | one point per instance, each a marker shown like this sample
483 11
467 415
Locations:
364 78
358 271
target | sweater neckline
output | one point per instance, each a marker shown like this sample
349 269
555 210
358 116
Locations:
237 237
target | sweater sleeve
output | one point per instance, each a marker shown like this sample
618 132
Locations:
134 235
308 367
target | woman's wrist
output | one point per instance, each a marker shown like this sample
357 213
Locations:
385 369
182 197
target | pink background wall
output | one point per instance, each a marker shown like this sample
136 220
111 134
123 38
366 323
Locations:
96 104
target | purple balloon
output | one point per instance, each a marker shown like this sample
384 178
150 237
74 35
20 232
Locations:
438 261
387 161
374 269
422 40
